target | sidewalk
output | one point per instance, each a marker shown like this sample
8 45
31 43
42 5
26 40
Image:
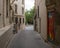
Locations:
5 36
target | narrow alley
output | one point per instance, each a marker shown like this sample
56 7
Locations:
29 23
28 39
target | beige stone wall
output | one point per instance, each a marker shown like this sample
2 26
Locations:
7 18
1 22
19 12
3 19
20 25
36 24
5 30
19 7
42 21
42 25
43 16
1 12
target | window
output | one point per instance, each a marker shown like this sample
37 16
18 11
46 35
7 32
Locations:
7 8
22 1
23 20
20 20
38 11
16 20
15 8
22 10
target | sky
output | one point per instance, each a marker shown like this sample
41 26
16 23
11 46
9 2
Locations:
29 4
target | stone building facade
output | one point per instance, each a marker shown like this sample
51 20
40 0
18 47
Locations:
3 12
40 18
5 22
19 12
46 20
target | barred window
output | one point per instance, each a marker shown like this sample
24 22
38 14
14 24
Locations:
23 20
20 20
22 10
15 8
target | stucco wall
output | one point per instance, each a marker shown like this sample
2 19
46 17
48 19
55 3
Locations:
43 16
3 17
19 7
19 12
6 19
42 22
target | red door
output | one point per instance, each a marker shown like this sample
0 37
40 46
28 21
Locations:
51 34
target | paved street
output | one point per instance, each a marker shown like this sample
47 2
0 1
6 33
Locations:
28 39
29 27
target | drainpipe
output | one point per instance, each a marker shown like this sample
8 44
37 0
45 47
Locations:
3 15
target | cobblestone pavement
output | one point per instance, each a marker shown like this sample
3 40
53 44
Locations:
28 39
